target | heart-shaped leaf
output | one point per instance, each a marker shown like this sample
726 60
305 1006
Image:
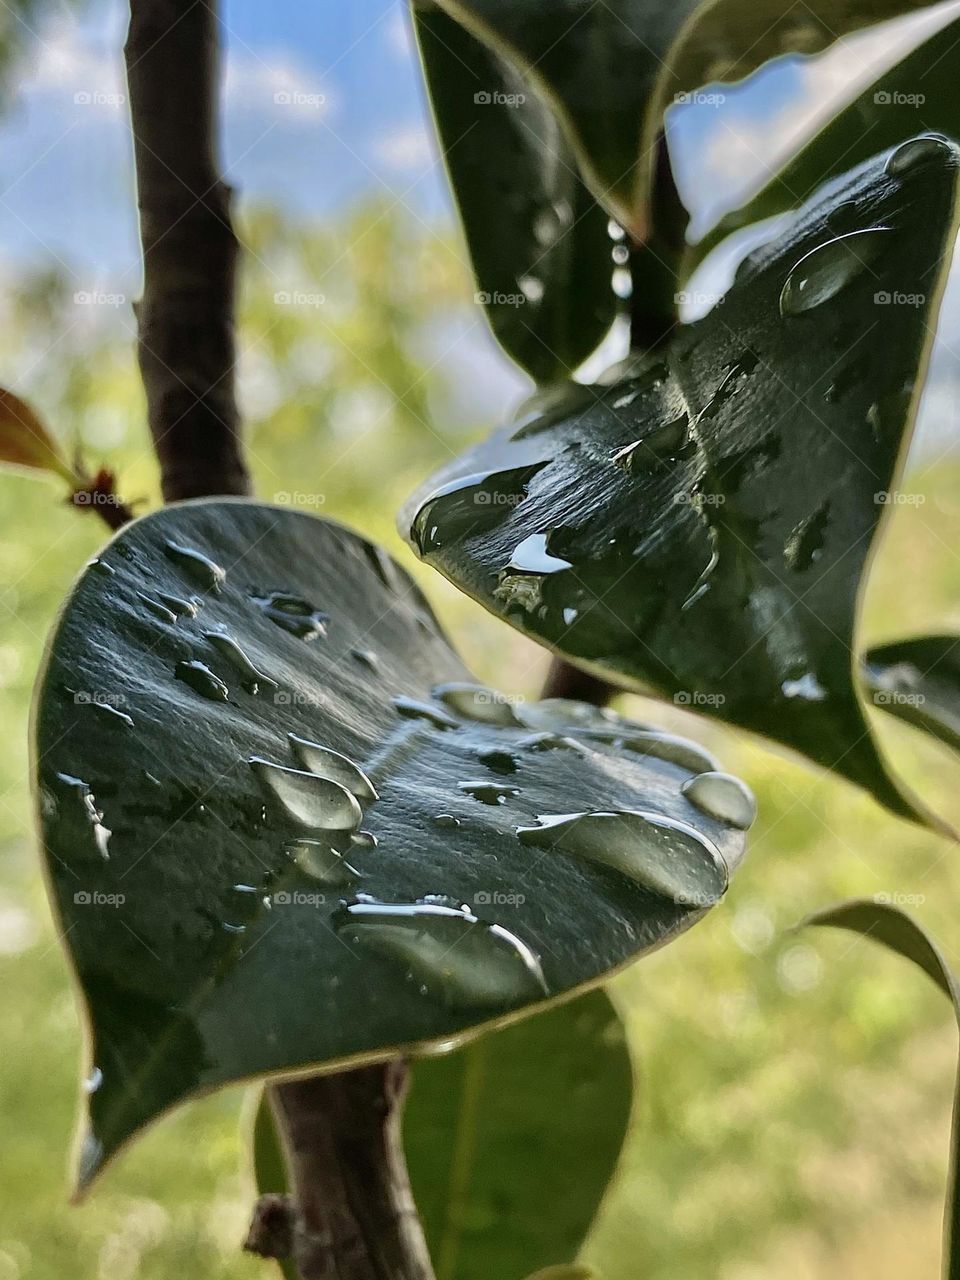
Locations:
917 95
612 69
893 928
918 680
699 526
494 1132
26 442
227 688
539 242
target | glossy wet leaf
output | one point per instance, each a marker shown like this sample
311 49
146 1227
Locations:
918 95
232 914
512 1140
538 239
697 525
894 929
612 69
918 680
26 442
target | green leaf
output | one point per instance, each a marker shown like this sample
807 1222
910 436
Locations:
512 1140
698 525
201 830
567 1271
918 680
612 69
539 242
917 95
896 930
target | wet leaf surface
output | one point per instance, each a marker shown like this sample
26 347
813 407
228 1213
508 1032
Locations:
918 680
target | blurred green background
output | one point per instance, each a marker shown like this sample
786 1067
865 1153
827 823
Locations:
795 1089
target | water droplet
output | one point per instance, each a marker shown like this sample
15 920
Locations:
559 714
93 1081
331 764
367 658
807 687
804 546
179 606
202 680
468 505
90 1160
447 951
493 793
316 803
364 840
113 713
917 151
499 761
157 609
550 742
531 556
446 821
101 567
199 567
823 272
665 855
250 678
414 709
476 702
294 614
672 748
664 443
531 287
723 797
323 863
732 382
93 815
228 927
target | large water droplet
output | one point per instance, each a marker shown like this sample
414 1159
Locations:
664 443
294 614
315 803
323 863
177 605
917 151
672 748
824 271
549 742
448 951
202 680
446 821
204 571
415 709
493 793
532 556
250 677
723 797
476 702
468 505
331 764
663 854
157 609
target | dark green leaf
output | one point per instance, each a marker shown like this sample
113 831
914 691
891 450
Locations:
512 1140
539 243
612 69
699 526
917 95
918 680
895 929
198 866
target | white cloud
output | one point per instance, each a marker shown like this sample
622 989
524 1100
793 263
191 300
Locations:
397 33
271 83
406 149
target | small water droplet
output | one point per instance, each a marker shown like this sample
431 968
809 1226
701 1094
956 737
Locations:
157 609
664 443
414 709
204 571
823 272
93 815
367 658
101 567
663 854
90 1159
446 821
722 796
323 863
917 151
326 763
294 614
492 793
672 748
202 680
807 687
93 1081
550 742
113 713
447 951
179 606
476 702
531 287
364 840
804 545
312 802
532 556
250 678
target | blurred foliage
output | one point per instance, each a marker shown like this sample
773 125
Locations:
794 1114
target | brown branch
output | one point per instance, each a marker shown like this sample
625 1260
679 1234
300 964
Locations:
186 314
354 1218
